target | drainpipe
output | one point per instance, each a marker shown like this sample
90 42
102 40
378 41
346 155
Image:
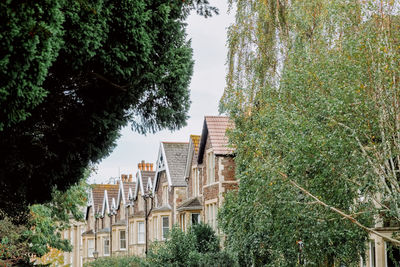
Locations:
146 214
95 232
127 229
111 241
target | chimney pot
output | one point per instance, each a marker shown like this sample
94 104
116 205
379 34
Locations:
147 166
151 166
130 178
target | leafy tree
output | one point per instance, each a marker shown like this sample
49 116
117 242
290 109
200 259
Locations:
313 90
73 73
42 232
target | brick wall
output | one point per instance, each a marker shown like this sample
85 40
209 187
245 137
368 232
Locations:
210 192
228 171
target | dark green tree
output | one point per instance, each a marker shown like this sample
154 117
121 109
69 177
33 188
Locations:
73 73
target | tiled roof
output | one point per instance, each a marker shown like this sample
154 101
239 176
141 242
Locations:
215 127
190 204
162 208
112 192
126 186
145 178
98 194
176 154
196 142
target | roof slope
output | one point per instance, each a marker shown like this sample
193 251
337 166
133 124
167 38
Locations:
215 127
142 180
176 154
98 194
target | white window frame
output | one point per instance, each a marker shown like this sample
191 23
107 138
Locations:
90 250
164 232
141 234
122 239
211 215
195 182
155 228
104 246
210 167
182 219
370 253
131 233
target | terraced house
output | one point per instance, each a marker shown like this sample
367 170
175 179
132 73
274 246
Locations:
187 186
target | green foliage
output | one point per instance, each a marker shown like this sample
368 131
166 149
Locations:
199 246
31 36
43 227
119 261
312 89
73 73
204 238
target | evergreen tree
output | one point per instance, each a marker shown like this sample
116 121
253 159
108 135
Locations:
73 73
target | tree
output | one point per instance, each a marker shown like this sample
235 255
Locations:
313 90
45 223
73 74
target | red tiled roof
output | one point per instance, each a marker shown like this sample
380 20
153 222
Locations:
217 126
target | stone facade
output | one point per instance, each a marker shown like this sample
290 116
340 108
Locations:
188 186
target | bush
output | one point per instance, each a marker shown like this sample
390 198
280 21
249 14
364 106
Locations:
205 238
198 247
120 261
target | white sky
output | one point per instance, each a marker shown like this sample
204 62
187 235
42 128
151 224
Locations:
207 85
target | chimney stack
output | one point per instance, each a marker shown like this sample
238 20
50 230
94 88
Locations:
143 166
130 178
124 177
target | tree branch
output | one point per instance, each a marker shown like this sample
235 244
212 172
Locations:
341 213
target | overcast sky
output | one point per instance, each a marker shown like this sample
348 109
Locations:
208 82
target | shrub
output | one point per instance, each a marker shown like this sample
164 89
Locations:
119 261
199 246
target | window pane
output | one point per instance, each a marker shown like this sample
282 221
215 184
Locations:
165 226
122 239
141 234
106 246
195 218
90 247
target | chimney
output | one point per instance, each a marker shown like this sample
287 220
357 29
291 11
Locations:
130 178
151 166
139 166
124 177
143 165
147 166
